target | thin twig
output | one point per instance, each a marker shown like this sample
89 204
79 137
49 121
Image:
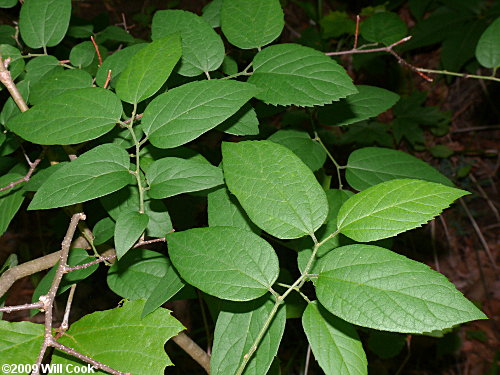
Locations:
84 358
27 177
356 34
8 82
108 79
354 51
485 197
96 50
89 264
28 306
147 242
476 129
65 323
49 298
463 75
194 350
137 117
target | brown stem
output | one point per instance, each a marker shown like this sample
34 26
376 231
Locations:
28 306
96 50
8 82
49 298
142 242
192 348
370 50
27 177
87 265
84 358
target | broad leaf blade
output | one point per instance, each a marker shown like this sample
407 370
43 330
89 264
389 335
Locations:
385 27
202 47
128 229
390 292
10 200
370 101
184 113
293 74
20 341
278 192
238 325
149 69
334 342
95 173
251 24
488 47
43 23
72 117
95 334
393 207
309 151
372 165
225 262
136 275
243 122
171 176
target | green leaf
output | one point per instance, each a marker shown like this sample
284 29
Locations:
103 230
172 176
10 109
334 342
114 34
386 28
337 23
43 23
243 122
251 24
42 175
377 288
184 113
211 13
225 211
298 75
370 101
10 200
136 275
100 335
20 341
52 85
309 151
238 325
76 257
393 207
128 229
226 262
98 172
73 117
278 192
167 287
16 64
41 66
82 54
488 47
117 63
127 199
149 69
372 165
202 47
8 3
7 32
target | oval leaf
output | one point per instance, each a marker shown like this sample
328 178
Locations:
488 47
370 101
136 275
96 333
202 47
184 113
385 27
309 151
24 340
171 176
373 287
117 63
128 229
393 207
251 24
10 200
43 23
334 342
238 325
372 165
226 262
149 69
277 190
298 75
73 117
97 172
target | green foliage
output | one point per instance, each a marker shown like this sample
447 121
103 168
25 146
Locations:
168 136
